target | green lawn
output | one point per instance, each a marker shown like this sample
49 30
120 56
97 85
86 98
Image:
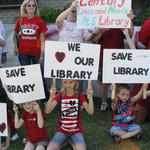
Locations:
95 130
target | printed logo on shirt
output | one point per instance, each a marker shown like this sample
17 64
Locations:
69 114
28 31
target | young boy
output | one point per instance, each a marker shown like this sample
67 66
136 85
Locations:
123 126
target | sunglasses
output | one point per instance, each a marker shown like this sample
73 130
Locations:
73 11
30 5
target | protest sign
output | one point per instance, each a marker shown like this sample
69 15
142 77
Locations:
71 60
103 14
3 120
126 66
23 83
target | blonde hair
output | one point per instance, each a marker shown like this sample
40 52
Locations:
23 8
76 87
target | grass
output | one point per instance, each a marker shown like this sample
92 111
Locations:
95 129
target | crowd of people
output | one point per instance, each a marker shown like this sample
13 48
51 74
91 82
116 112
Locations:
128 106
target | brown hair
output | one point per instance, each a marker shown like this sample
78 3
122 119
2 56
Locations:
122 86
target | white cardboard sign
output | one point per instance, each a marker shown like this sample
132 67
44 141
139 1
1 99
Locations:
3 120
23 83
126 66
103 14
71 60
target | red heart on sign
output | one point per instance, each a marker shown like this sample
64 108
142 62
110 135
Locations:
60 56
2 127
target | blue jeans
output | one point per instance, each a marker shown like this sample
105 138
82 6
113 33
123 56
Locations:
128 128
28 59
59 138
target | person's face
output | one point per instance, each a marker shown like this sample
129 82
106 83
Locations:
69 84
30 7
124 95
73 15
28 107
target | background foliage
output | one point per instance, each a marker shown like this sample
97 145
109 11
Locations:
141 9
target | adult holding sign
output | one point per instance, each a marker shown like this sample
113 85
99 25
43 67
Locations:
67 26
114 39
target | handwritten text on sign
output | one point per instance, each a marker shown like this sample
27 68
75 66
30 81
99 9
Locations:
103 14
23 83
71 60
126 66
3 120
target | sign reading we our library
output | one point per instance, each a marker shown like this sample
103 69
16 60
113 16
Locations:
126 66
65 60
103 13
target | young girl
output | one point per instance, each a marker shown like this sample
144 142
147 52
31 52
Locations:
123 126
34 120
69 124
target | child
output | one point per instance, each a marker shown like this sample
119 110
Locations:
123 126
69 125
34 120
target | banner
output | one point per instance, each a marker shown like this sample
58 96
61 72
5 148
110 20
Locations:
103 14
23 83
126 66
3 120
71 60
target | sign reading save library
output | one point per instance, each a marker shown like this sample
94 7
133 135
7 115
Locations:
103 13
126 66
71 60
23 83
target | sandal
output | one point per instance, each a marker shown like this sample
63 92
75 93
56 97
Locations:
117 139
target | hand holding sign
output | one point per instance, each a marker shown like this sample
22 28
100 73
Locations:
15 108
52 91
36 106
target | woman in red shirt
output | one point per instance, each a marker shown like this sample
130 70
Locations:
31 45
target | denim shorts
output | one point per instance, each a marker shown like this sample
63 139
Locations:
59 138
44 143
128 128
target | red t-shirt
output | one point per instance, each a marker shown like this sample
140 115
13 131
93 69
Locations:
122 109
30 35
34 133
111 39
144 35
143 102
69 117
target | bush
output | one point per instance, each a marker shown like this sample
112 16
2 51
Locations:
49 15
139 20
